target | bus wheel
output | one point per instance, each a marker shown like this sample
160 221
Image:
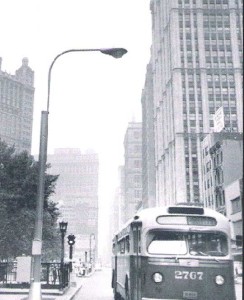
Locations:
117 296
127 295
127 290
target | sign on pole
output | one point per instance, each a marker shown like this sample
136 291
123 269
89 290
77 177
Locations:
23 269
219 122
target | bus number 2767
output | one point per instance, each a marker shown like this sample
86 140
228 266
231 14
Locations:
188 275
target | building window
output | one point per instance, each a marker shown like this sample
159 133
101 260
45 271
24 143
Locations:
136 134
137 180
137 194
220 198
208 166
206 150
219 176
137 148
236 205
137 164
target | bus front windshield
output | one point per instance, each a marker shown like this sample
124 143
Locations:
182 243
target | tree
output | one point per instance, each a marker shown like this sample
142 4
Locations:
18 195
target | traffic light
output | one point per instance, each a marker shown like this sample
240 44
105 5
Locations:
71 239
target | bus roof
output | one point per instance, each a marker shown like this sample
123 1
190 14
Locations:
148 216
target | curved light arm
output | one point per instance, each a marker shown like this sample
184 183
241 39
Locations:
115 52
35 287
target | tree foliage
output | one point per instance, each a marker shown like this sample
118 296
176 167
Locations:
18 196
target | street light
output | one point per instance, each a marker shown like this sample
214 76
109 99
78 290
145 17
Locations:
35 287
63 229
92 235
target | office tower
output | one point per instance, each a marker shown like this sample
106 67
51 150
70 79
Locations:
196 58
148 145
16 106
77 194
132 170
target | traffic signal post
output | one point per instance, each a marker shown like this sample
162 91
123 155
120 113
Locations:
71 242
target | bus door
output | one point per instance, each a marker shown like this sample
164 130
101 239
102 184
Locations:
114 264
136 266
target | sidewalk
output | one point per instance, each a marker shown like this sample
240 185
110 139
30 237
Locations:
22 294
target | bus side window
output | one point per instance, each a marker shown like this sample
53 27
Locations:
135 241
127 243
139 240
122 246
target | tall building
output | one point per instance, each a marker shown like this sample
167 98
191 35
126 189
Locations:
132 170
16 106
148 145
196 59
77 194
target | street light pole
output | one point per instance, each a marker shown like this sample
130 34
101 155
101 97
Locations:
35 287
63 229
90 254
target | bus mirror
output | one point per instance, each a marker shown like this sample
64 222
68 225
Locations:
136 223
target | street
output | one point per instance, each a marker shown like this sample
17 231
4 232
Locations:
97 287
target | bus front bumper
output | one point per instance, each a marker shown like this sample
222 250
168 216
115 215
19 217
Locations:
143 298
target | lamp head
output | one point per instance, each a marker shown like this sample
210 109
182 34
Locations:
115 52
63 226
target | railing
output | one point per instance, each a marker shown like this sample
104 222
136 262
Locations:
52 277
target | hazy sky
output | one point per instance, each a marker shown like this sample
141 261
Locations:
93 96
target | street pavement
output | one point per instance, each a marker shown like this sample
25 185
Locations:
95 287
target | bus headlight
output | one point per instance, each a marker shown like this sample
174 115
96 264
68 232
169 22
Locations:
157 277
219 279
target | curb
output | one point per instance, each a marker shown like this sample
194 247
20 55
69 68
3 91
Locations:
69 293
75 293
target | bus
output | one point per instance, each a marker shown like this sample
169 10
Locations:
174 252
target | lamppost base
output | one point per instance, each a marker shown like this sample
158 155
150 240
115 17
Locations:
72 279
35 291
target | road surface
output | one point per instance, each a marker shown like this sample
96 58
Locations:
96 287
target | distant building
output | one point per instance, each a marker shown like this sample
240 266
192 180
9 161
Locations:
196 59
222 157
132 170
118 207
148 143
77 195
116 217
234 203
16 106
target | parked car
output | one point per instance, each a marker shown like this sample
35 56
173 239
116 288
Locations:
98 267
